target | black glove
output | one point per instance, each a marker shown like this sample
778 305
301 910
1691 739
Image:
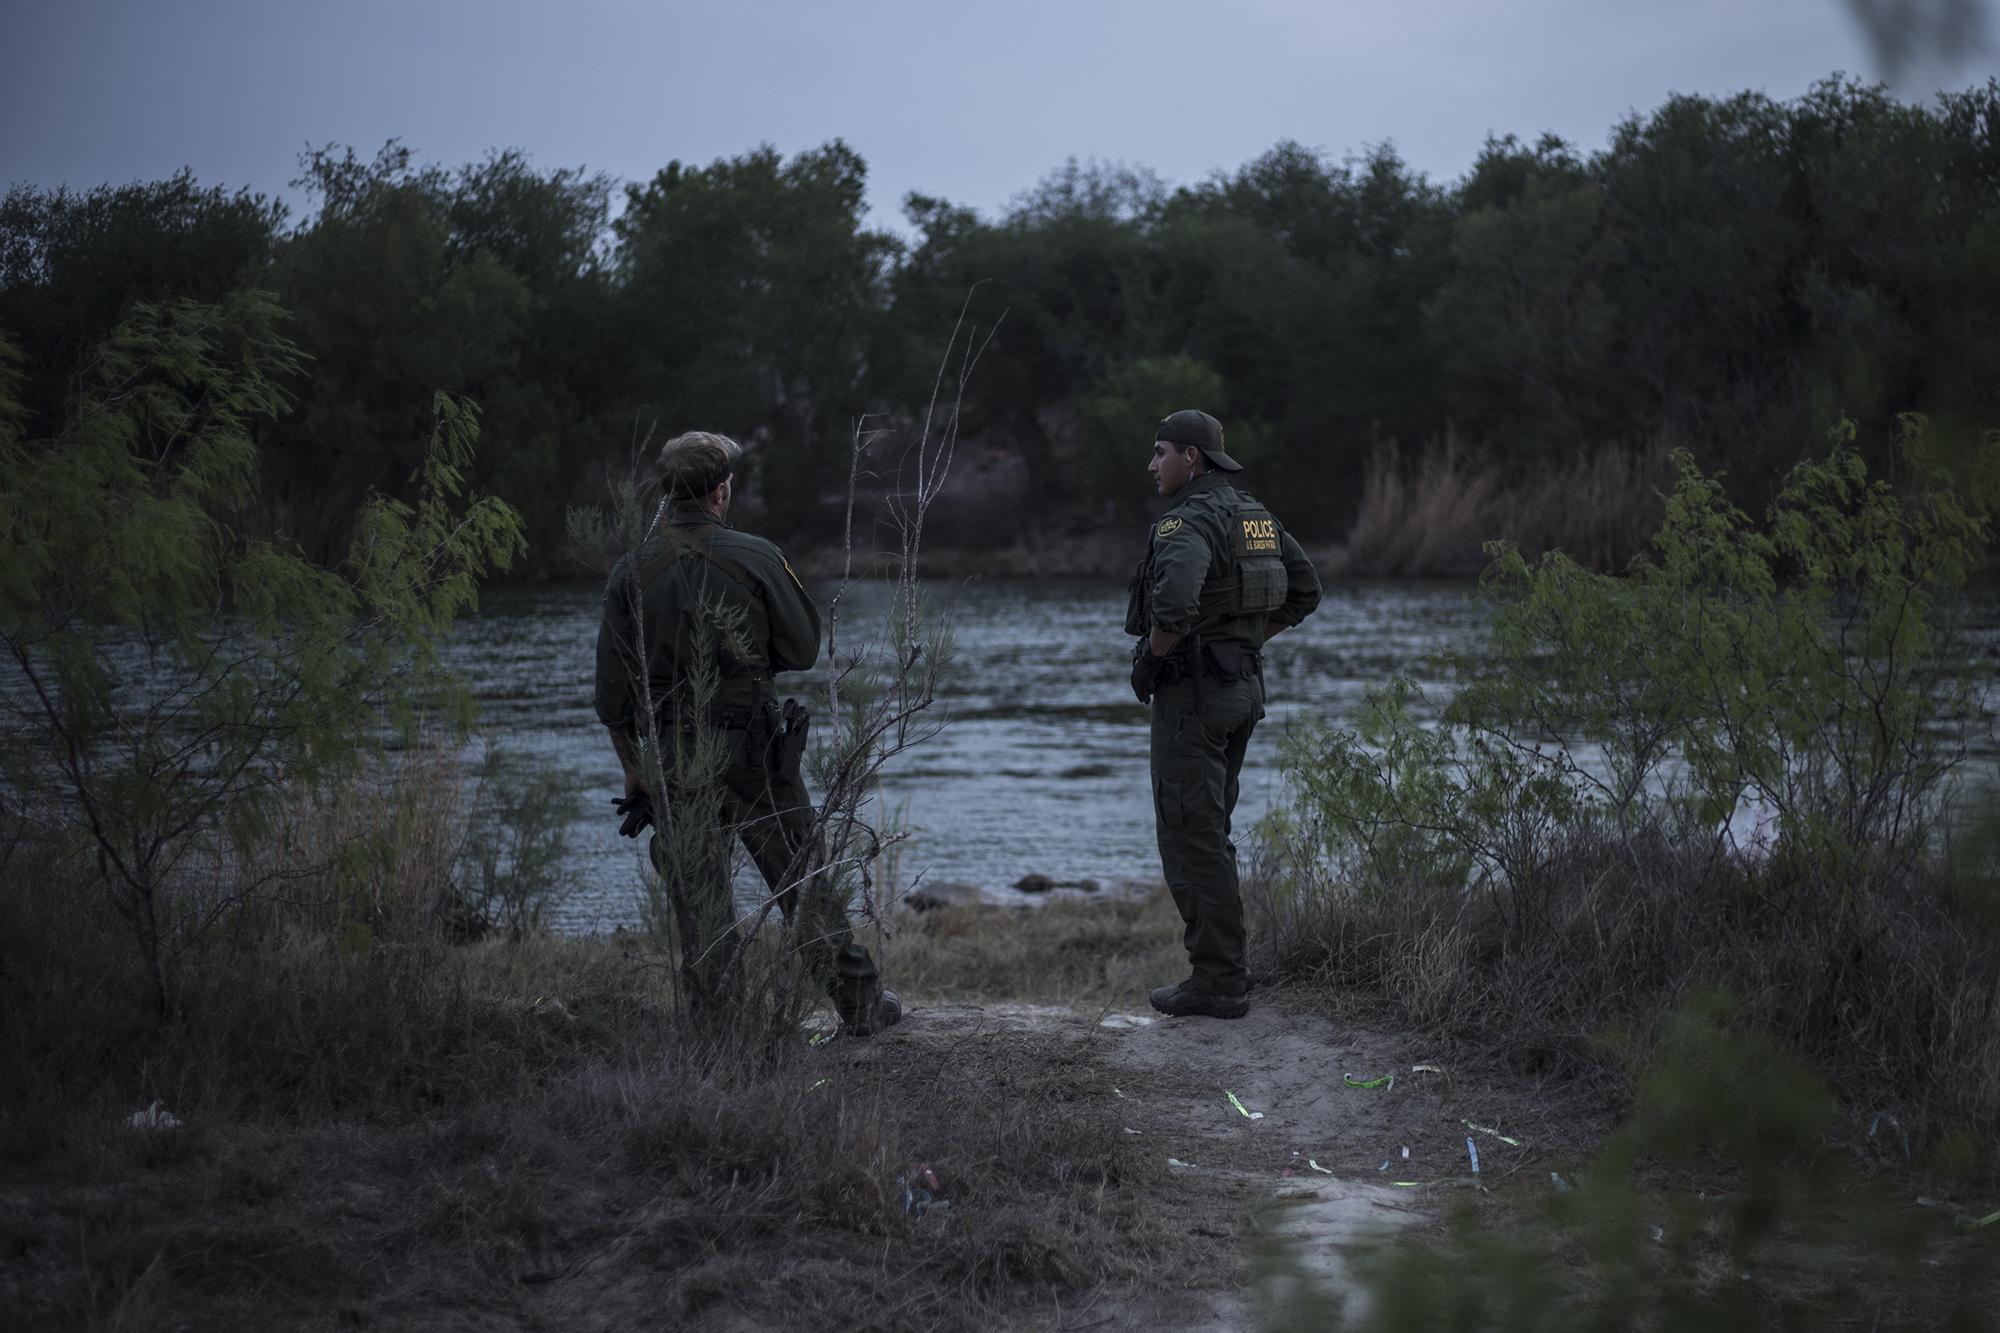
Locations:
638 811
1145 671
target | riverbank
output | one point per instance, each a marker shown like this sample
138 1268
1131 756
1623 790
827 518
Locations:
528 1134
1057 556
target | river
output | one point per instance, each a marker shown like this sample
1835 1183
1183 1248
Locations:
1040 766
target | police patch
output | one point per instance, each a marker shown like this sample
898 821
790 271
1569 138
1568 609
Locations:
1260 536
1168 527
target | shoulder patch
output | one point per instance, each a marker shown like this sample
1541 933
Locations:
1168 527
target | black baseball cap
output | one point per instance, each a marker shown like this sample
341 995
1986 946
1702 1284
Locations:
1197 430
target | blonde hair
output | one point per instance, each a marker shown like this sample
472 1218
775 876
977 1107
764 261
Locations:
692 465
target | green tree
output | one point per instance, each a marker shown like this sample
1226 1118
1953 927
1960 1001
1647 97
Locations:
1700 252
173 679
750 293
388 310
72 262
1069 267
1522 325
1792 688
1118 420
568 388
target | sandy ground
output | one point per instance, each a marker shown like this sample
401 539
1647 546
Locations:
1303 1172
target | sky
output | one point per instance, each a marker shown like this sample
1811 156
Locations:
972 103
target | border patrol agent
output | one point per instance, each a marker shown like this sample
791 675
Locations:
704 588
1220 577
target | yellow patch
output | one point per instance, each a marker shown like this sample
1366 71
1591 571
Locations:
1260 535
1168 527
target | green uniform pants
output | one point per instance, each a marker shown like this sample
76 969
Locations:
773 816
1201 730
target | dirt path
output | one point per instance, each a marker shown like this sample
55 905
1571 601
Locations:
1307 1165
1096 1153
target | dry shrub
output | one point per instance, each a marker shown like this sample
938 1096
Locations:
1432 516
1884 987
370 856
1083 952
651 1172
383 1127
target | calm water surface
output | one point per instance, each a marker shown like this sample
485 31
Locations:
1041 764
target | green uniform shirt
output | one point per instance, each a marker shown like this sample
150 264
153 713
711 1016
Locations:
1219 565
690 566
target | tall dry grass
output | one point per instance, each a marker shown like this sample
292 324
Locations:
384 1128
1887 987
1431 514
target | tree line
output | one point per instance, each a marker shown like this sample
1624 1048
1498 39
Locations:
1731 275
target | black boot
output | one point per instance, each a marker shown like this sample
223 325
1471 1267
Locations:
1191 998
864 1007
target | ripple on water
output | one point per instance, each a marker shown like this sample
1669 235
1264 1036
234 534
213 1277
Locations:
1041 765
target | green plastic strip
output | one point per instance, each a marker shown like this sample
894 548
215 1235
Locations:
1387 1080
1317 1167
1987 1220
1482 1129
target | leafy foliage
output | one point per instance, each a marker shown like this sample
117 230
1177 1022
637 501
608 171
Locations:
1801 1240
513 864
170 677
1729 274
1793 688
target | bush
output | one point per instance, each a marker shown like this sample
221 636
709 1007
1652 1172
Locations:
181 682
1801 1240
512 863
1729 766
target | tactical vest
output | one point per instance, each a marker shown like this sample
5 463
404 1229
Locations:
1246 574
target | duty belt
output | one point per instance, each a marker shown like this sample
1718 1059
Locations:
732 717
1189 661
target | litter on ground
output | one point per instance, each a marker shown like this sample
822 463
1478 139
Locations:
1248 1114
1386 1081
1175 1161
1472 1151
155 1117
1485 1129
1317 1167
917 1201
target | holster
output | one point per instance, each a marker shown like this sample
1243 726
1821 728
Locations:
760 737
789 752
1228 660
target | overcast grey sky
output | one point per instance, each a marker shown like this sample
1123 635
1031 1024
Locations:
973 103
